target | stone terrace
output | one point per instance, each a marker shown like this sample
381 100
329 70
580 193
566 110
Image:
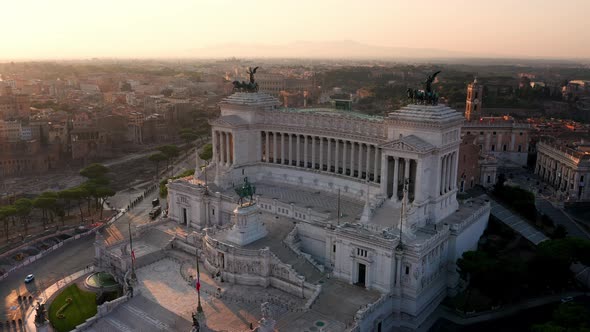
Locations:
320 201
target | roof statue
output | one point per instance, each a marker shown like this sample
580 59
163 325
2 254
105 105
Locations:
243 86
426 96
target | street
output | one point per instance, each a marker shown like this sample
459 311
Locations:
70 258
78 254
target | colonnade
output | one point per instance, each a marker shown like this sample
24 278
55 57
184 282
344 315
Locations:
558 174
223 143
448 173
333 155
396 171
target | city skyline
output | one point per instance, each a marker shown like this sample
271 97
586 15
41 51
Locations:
184 29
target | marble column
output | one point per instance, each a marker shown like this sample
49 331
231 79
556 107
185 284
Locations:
337 156
283 148
360 161
274 147
313 152
454 172
352 159
443 161
305 159
227 149
329 158
418 182
407 168
376 164
321 153
267 147
368 165
223 147
449 166
395 178
214 144
231 149
298 148
344 147
384 174
290 150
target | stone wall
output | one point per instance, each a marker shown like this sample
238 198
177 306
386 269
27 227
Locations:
255 267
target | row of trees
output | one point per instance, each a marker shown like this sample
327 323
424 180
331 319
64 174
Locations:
52 204
506 278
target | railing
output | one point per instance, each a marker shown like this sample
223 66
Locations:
365 311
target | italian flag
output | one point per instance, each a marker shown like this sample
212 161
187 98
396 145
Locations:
133 255
198 284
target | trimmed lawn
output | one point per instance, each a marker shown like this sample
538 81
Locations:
83 306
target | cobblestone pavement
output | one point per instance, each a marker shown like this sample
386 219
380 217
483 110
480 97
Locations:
168 300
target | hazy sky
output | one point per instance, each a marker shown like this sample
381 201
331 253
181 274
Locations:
172 28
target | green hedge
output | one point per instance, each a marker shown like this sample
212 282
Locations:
83 306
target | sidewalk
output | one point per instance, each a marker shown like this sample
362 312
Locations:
48 293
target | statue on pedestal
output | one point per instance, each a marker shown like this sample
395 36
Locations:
267 324
251 86
40 314
426 96
196 327
244 191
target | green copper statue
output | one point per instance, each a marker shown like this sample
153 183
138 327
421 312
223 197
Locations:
246 190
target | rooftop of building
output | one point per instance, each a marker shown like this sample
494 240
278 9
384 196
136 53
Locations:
333 112
426 113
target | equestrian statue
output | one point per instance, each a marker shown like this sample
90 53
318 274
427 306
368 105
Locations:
246 190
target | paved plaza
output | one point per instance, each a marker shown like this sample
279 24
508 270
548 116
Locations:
320 201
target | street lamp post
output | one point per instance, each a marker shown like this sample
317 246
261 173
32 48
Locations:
199 307
133 276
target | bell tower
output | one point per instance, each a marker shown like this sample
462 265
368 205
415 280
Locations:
473 103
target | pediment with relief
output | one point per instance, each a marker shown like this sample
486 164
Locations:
409 143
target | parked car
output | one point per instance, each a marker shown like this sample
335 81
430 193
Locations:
567 299
155 202
29 278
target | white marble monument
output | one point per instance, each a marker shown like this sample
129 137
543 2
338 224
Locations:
248 226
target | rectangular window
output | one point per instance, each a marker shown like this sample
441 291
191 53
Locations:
493 147
213 211
504 147
407 269
489 179
519 148
334 248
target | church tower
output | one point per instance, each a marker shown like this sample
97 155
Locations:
473 103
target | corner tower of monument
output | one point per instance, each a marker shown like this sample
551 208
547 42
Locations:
426 138
236 142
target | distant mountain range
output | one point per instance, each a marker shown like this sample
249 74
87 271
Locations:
329 49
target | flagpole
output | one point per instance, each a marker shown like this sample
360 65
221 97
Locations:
199 307
133 276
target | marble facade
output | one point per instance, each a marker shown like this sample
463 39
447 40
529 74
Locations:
408 253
